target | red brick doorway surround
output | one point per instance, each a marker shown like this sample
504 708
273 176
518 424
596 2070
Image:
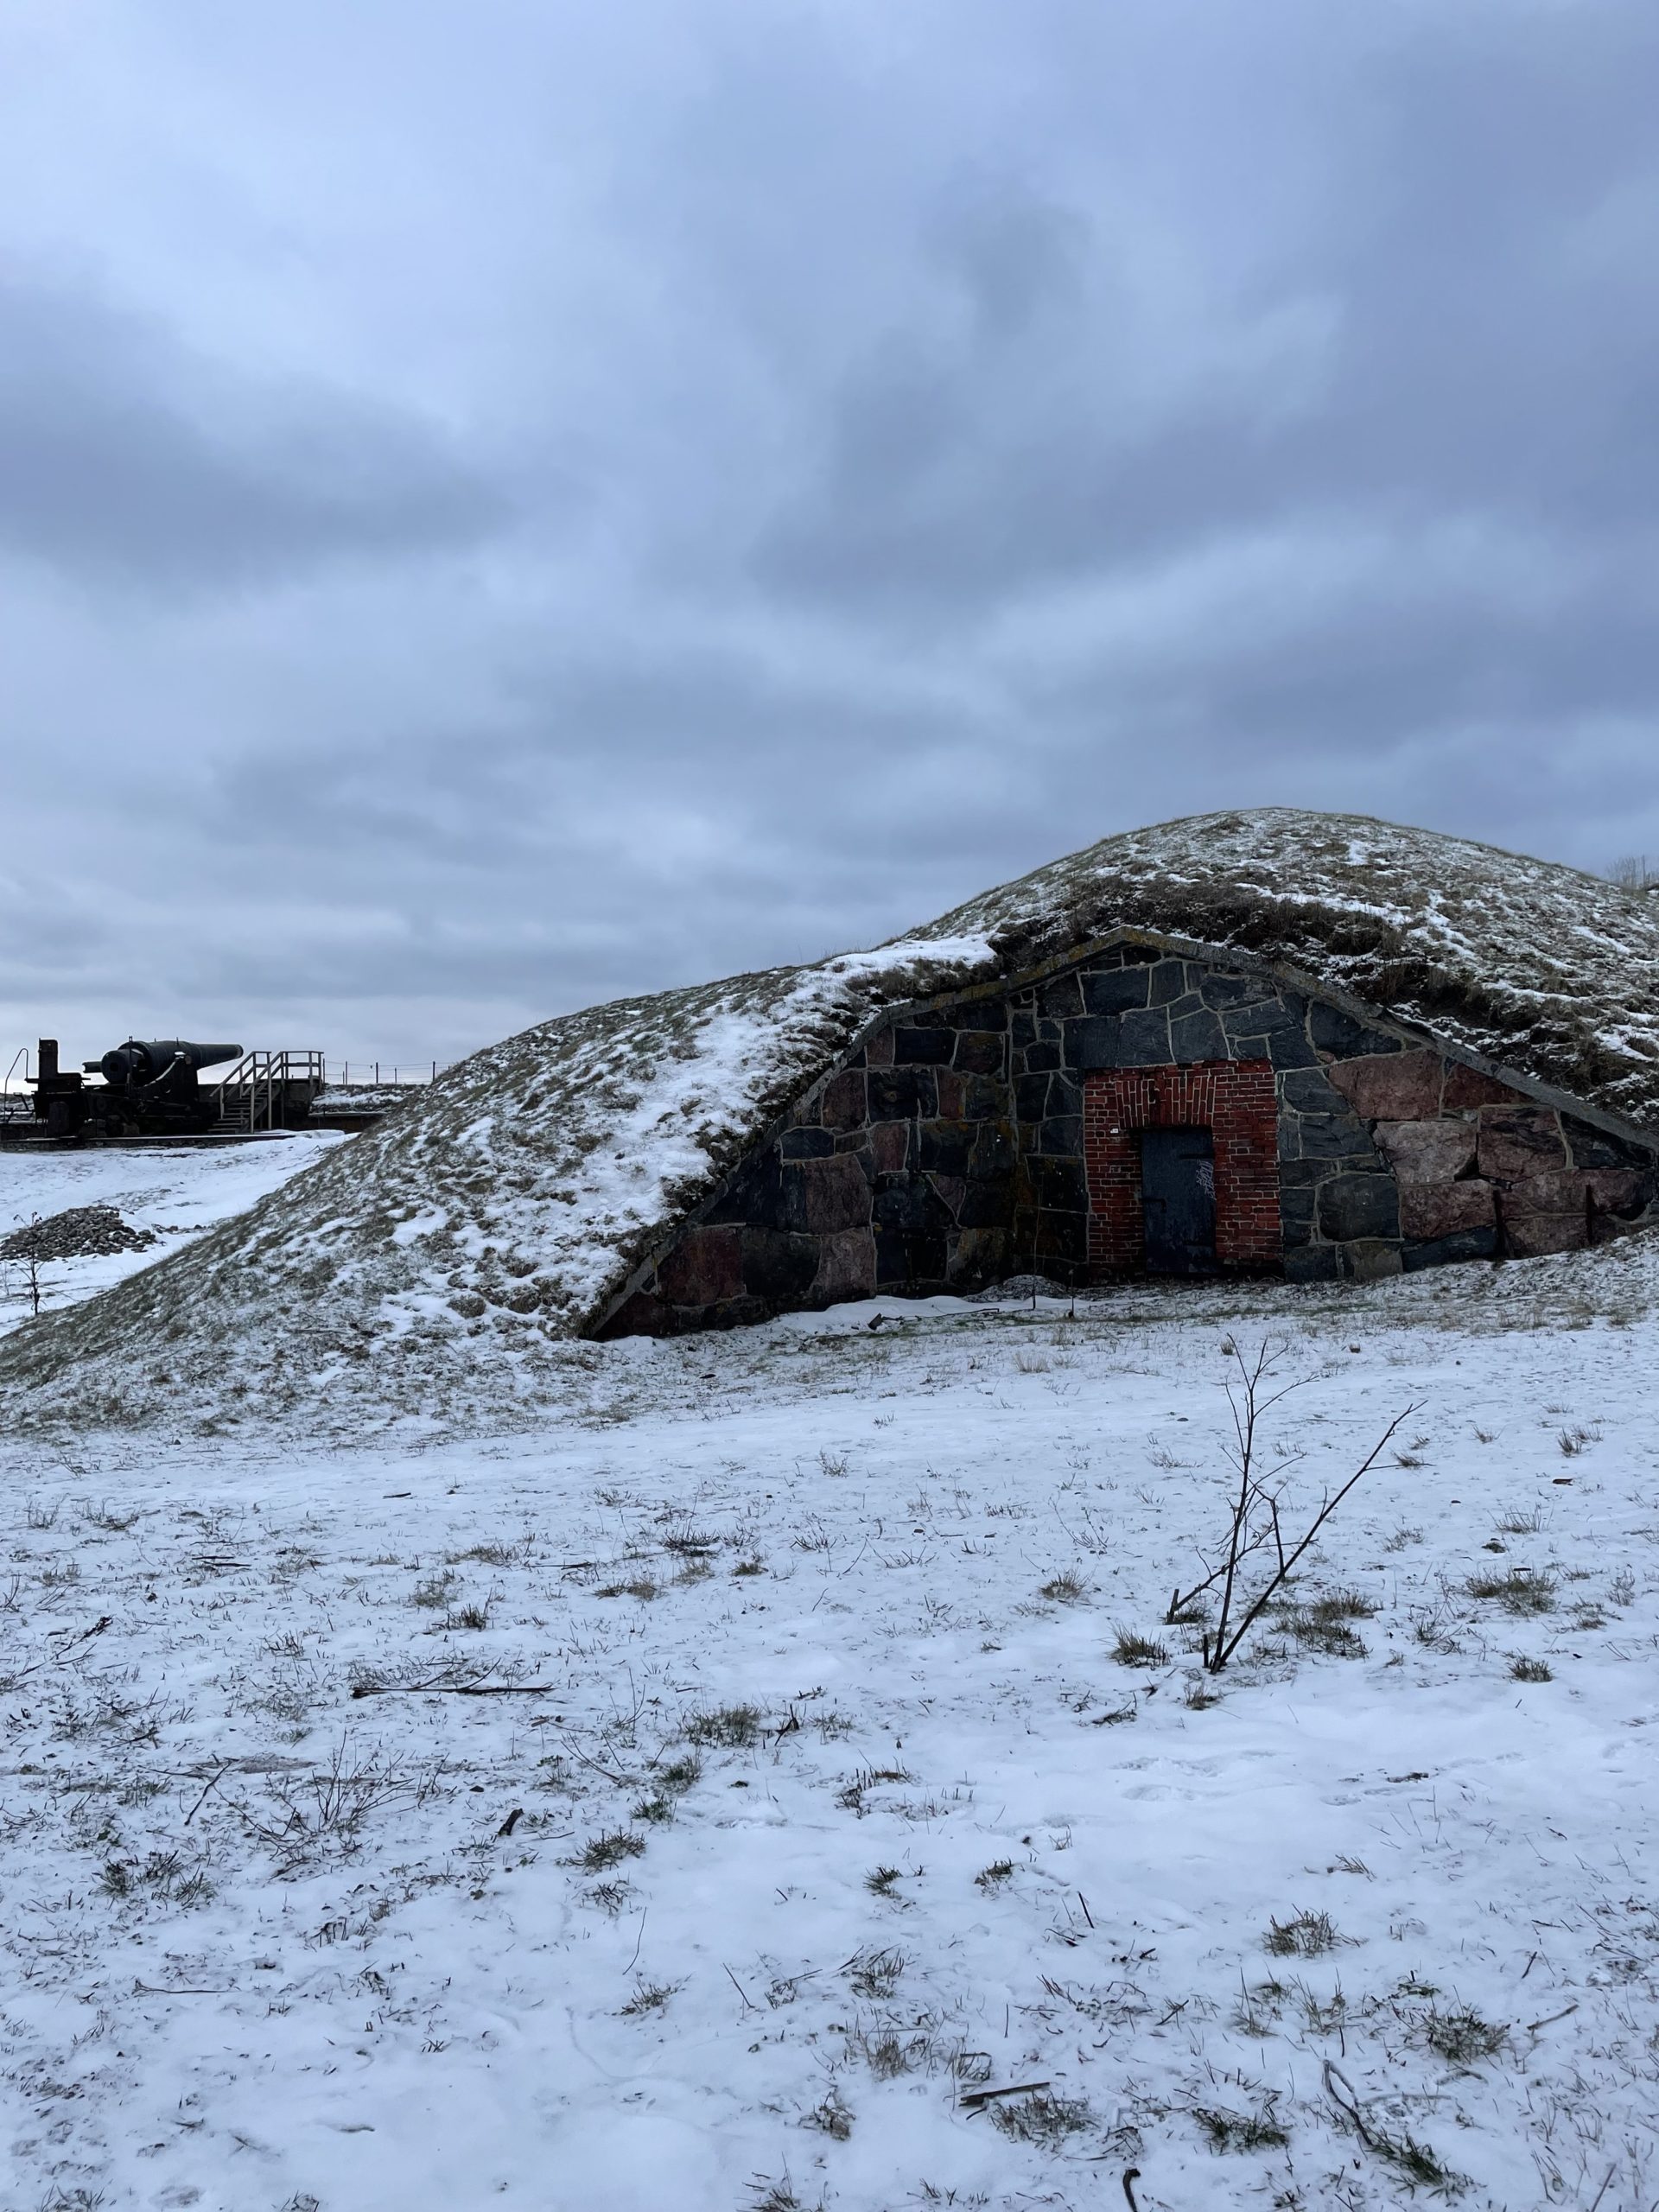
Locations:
1235 1101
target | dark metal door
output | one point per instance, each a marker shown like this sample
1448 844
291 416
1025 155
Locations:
1177 1191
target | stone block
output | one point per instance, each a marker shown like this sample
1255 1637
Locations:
947 1089
1339 1036
990 1157
806 1144
943 1147
1397 1087
1619 1190
778 1266
1114 990
1427 1152
704 1268
1063 1238
984 1099
1555 1190
1096 1041
845 1266
1298 1174
878 1050
914 1046
1143 1039
1167 981
1443 1251
908 1206
1030 1097
1060 1136
1307 1090
980 1052
1220 990
835 1195
1438 1210
1197 1037
889 1145
1358 1207
1287 1048
901 1094
1061 998
755 1195
1255 1017
987 1205
1517 1141
978 1256
1296 1211
1332 1136
843 1105
1313 1263
952 1190
1058 1184
911 1225
1530 1235
1065 1095
1467 1089
641 1316
1369 1259
1593 1147
1042 1056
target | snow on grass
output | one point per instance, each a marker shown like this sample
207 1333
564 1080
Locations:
702 1802
175 1191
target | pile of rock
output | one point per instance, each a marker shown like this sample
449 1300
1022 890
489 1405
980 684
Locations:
80 1233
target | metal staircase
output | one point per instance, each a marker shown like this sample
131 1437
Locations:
254 1094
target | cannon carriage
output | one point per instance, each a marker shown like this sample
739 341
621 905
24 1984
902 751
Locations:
152 1089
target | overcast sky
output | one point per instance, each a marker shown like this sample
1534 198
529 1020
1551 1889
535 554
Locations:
505 503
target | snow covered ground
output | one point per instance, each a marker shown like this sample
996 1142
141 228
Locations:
803 1796
177 1191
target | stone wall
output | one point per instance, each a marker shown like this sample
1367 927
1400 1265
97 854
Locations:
949 1152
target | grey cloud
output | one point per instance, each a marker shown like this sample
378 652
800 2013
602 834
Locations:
125 457
1459 325
851 467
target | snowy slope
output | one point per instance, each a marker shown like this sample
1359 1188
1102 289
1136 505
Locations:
785 1611
458 1249
174 1191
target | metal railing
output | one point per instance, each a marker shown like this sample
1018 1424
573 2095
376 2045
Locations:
252 1094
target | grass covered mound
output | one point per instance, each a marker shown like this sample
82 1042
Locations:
468 1242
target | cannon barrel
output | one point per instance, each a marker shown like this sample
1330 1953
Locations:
143 1061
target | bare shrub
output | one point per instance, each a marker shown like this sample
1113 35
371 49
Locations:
308 1815
1256 1526
1133 1650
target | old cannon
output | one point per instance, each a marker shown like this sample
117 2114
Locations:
150 1087
147 1064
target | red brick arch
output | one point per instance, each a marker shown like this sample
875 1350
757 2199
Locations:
1236 1101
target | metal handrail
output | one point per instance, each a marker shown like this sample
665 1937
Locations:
259 1073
